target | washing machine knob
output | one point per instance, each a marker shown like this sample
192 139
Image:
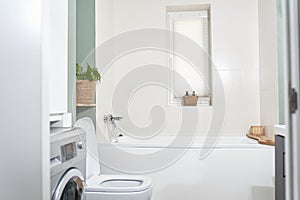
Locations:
79 145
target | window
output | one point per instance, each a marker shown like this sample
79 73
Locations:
195 26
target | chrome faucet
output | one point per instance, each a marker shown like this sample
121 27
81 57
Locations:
112 129
110 117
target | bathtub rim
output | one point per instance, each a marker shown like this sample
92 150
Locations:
245 143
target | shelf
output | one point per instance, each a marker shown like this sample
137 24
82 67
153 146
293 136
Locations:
86 105
55 117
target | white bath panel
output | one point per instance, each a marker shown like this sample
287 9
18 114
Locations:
234 170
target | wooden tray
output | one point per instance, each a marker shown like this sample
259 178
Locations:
262 139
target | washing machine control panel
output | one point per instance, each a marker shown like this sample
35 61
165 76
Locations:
68 151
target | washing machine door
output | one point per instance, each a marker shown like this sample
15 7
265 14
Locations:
70 187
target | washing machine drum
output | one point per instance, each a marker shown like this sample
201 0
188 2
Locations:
70 186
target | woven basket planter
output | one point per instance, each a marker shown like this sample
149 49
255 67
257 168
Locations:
190 100
256 130
85 91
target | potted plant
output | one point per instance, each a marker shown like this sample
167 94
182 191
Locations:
86 84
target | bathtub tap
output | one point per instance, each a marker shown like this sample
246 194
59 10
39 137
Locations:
112 129
110 118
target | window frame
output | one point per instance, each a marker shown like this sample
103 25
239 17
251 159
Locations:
172 99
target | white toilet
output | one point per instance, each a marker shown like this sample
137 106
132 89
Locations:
109 187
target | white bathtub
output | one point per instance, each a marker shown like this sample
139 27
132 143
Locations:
235 168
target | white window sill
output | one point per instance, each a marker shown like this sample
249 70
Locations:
202 102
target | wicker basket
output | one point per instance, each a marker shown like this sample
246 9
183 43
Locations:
256 130
190 100
85 91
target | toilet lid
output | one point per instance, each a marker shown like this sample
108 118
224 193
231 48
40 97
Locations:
118 183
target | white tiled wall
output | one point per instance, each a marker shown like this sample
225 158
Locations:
235 53
103 32
268 64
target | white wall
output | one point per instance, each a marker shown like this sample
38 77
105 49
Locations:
235 47
23 116
268 63
104 27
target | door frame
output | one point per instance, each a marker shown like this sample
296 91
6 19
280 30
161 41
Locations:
290 11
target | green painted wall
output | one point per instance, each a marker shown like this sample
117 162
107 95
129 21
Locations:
280 63
85 30
85 45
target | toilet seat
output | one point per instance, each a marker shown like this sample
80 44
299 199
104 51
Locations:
118 183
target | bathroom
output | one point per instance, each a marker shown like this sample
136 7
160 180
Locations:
144 127
243 51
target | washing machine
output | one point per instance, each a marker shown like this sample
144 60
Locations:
67 163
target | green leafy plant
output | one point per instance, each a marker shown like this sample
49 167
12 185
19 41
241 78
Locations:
90 74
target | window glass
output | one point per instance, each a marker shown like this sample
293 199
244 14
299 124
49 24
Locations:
195 26
72 191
